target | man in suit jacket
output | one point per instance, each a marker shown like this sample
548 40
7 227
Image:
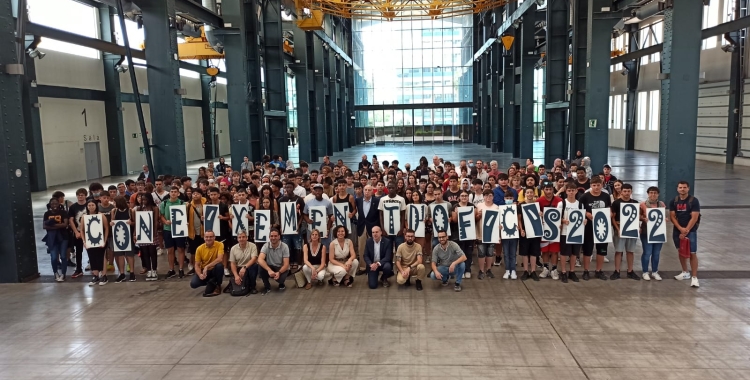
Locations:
368 217
145 176
378 258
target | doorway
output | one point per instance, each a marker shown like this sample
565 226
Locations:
93 158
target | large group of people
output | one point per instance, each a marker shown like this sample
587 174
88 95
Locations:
337 254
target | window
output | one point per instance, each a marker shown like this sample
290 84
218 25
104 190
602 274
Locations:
717 12
651 35
619 43
642 111
617 111
649 104
67 15
135 36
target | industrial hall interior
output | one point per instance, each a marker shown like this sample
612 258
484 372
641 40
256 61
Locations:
370 189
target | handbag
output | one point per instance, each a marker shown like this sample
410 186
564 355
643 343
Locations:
239 290
300 279
684 248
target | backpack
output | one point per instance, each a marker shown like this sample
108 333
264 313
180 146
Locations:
690 205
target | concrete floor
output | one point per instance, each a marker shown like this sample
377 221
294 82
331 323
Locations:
493 329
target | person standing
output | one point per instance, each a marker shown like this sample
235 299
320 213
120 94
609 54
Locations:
393 200
570 251
623 244
528 248
685 212
294 242
486 251
122 212
170 243
651 251
594 199
550 250
96 254
149 251
75 212
55 223
467 246
209 270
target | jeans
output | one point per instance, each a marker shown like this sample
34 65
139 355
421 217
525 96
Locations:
692 236
396 241
444 271
78 247
266 278
294 242
372 275
651 252
468 247
214 276
57 254
509 253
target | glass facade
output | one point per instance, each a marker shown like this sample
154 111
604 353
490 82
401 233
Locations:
414 66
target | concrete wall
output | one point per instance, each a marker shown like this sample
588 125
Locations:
712 105
62 122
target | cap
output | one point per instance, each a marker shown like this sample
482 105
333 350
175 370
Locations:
606 166
317 185
547 184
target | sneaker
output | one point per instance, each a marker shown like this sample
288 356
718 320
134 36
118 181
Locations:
586 276
182 274
545 273
71 263
159 251
555 274
615 275
171 274
513 275
506 275
77 274
457 287
480 276
564 278
682 276
103 280
226 273
265 291
525 276
120 278
253 291
490 274
572 277
646 277
58 277
578 262
631 275
444 283
534 276
419 285
600 275
191 272
497 262
656 276
132 277
385 283
606 260
694 282
467 274
148 275
88 267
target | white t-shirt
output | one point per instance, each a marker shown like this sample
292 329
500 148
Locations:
568 206
160 197
482 206
310 196
397 199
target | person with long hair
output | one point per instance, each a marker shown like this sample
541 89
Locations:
343 261
418 200
123 212
96 254
148 251
314 256
55 223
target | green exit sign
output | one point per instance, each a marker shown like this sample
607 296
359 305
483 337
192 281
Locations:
142 150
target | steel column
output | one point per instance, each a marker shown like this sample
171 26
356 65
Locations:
118 164
631 107
275 75
598 55
343 121
244 95
17 242
484 114
332 101
577 116
208 116
555 142
495 61
679 95
303 81
319 93
736 84
33 127
509 108
167 129
528 60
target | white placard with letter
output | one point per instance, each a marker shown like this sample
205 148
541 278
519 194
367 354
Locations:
211 219
467 230
490 226
440 218
532 222
94 225
629 218
319 219
178 218
341 215
416 217
656 229
509 221
602 224
262 225
552 219
239 220
121 237
289 217
391 218
144 227
575 226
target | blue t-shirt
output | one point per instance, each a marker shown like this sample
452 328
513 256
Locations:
499 198
683 210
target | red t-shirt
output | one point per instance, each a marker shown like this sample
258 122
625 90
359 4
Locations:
543 202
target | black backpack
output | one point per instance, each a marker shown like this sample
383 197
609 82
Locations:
690 206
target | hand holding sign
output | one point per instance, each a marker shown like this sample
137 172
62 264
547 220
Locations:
178 217
602 225
239 219
289 217
531 221
656 229
466 228
552 219
416 219
211 219
144 223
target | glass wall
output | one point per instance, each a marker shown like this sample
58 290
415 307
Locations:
416 63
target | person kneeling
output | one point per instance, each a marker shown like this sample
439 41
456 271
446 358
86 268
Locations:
209 271
448 261
409 261
243 259
274 259
378 252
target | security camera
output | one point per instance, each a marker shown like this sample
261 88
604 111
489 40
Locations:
121 68
625 72
35 53
728 48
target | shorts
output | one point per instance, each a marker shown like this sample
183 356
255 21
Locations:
692 235
530 247
193 244
124 253
588 243
170 242
624 244
569 249
229 242
485 250
552 247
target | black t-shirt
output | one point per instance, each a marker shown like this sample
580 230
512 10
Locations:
582 187
591 202
58 216
616 207
451 197
683 210
226 231
75 211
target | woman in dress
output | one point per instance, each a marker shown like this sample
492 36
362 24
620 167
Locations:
343 261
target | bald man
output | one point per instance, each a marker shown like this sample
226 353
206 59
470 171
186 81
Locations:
367 218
